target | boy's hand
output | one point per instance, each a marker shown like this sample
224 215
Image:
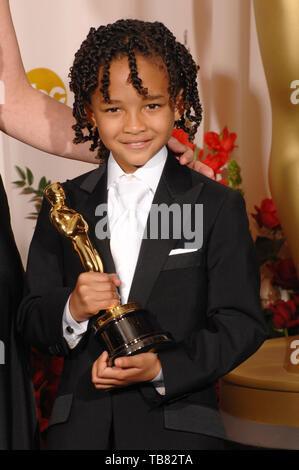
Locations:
126 371
93 292
187 158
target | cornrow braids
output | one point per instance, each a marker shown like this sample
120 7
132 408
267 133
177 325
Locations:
128 38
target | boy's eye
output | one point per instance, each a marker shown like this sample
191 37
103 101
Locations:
153 106
111 110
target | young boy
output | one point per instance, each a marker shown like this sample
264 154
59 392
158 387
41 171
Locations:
133 82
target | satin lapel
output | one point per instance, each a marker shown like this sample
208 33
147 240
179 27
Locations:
176 186
93 193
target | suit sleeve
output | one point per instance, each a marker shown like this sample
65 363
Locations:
235 322
41 311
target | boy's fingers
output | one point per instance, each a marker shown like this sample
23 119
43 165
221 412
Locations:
126 362
100 365
136 361
107 382
117 373
114 278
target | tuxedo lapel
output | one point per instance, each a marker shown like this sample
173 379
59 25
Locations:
176 186
93 193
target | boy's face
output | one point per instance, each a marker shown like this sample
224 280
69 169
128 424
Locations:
134 127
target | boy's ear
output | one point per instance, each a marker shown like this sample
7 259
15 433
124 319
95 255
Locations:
90 115
179 106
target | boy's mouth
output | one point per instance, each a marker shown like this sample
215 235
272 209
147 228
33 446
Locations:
137 144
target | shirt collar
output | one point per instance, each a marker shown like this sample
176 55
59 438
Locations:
149 173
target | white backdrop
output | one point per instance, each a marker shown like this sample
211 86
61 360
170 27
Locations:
222 38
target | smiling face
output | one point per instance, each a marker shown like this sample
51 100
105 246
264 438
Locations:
134 127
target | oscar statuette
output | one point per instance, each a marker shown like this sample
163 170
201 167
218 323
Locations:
125 329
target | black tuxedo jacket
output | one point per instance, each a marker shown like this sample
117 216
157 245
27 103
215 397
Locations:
207 299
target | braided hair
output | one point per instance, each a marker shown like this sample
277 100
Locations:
126 38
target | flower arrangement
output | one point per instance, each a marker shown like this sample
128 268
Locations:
279 280
215 154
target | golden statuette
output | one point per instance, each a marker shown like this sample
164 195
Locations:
125 329
72 225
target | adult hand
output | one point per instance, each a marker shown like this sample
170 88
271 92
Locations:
185 157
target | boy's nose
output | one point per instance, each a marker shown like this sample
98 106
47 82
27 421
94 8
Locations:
134 124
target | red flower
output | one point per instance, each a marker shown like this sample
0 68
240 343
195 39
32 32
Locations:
182 137
267 215
223 181
284 314
223 142
212 139
217 161
227 141
284 274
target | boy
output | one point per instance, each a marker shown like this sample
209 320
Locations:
133 82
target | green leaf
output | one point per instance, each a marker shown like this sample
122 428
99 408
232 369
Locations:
19 183
30 177
21 172
234 174
43 184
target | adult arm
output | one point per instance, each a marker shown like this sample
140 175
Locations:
39 120
27 114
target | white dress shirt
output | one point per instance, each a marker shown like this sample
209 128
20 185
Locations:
147 178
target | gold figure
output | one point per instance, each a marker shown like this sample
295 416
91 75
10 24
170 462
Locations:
71 224
278 32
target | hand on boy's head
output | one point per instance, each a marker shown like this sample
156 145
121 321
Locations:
186 157
126 371
93 292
